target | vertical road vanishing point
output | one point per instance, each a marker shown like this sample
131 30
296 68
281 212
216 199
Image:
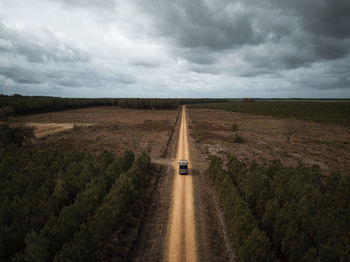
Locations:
181 244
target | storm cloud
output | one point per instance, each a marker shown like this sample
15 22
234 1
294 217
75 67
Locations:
197 48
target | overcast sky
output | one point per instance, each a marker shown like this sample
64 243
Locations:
175 48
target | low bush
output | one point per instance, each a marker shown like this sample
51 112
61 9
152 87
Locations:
234 127
239 139
15 136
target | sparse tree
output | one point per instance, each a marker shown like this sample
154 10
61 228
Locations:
291 127
6 111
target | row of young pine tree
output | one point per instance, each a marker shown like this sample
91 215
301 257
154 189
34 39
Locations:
283 213
60 206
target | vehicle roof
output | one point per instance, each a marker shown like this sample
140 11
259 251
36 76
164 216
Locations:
182 161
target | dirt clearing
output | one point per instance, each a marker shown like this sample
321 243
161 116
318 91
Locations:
44 129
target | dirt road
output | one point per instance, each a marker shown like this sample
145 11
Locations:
181 245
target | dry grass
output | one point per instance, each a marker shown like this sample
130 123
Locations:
267 138
103 128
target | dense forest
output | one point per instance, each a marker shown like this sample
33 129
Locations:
159 103
18 105
337 112
67 206
284 213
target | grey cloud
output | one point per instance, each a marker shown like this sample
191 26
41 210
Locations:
196 24
45 59
321 17
145 63
202 56
89 3
21 75
206 47
300 32
72 77
326 24
43 49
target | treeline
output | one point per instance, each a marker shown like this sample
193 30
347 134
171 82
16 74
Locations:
286 214
318 111
159 103
68 206
19 105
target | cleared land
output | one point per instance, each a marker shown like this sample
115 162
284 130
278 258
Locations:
323 111
104 128
265 138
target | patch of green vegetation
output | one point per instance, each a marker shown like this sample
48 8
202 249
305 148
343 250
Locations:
324 112
238 139
234 127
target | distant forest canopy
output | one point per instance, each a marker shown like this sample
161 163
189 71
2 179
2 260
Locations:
324 111
17 104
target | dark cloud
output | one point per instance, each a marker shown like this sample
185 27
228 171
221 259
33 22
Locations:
320 17
294 33
196 24
325 24
206 47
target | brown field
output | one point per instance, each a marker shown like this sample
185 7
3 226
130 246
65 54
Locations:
103 128
266 139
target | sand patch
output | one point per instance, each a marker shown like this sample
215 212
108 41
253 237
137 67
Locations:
44 129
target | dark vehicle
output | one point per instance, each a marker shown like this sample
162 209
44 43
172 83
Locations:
183 167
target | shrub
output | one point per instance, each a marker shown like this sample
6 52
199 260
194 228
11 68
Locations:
15 136
6 111
239 139
234 127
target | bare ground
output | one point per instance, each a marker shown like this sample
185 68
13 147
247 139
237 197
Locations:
266 138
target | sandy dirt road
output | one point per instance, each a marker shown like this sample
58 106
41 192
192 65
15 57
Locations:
181 245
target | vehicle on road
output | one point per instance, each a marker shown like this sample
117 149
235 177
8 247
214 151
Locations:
183 167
